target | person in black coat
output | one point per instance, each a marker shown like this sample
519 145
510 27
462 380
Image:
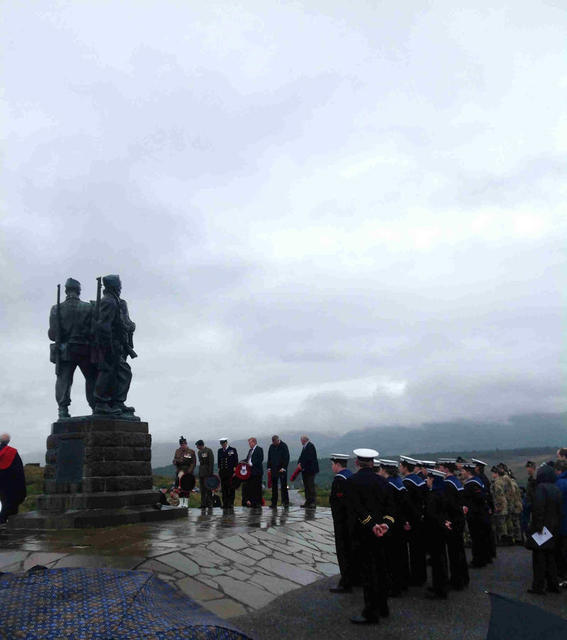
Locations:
278 461
458 566
417 492
396 549
478 518
227 460
342 522
371 510
546 512
437 528
252 488
12 479
309 466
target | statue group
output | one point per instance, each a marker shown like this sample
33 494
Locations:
97 337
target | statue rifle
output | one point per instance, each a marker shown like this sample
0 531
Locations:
58 341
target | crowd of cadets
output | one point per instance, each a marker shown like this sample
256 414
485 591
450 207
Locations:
423 510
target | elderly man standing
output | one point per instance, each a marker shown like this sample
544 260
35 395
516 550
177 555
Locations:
309 466
12 479
278 461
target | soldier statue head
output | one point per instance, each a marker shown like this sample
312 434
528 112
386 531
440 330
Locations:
72 287
112 283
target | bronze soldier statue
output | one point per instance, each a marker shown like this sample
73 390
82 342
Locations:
113 344
70 330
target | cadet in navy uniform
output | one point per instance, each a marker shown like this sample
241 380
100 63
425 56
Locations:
342 522
396 549
437 527
458 567
474 498
252 489
371 509
417 492
309 469
479 472
227 459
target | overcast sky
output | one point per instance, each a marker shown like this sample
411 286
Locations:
326 215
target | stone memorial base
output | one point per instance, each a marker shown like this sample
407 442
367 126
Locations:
98 473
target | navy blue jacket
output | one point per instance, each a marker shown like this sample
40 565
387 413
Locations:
308 459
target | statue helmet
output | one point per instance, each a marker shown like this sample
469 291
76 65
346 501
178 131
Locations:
72 284
111 281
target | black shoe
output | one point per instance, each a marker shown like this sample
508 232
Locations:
537 592
477 565
364 620
340 590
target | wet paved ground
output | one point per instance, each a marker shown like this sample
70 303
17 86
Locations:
312 612
232 564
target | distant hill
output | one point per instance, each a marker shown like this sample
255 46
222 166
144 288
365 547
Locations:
525 431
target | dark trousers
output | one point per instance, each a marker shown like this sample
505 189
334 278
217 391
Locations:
206 493
65 380
458 567
343 546
397 562
480 541
439 571
227 491
309 485
544 568
113 379
281 479
417 561
8 508
252 491
374 578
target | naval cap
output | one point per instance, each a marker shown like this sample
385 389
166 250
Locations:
469 466
429 464
436 473
478 462
223 439
366 454
387 463
408 460
447 461
339 456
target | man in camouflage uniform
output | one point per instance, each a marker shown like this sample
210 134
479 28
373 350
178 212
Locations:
514 500
500 506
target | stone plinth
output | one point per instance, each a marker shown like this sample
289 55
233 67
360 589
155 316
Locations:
98 473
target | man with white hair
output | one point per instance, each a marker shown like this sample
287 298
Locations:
309 466
12 479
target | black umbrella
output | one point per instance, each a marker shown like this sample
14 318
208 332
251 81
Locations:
512 619
102 604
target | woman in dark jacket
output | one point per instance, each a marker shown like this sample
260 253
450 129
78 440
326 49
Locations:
546 512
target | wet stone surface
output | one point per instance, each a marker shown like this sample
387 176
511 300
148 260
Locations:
229 563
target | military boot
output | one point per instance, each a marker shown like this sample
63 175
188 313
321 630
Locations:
104 409
64 412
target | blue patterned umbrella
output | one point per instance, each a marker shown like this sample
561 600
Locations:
102 604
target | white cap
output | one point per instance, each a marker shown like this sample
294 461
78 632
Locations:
388 463
436 472
366 454
339 456
408 459
476 461
223 439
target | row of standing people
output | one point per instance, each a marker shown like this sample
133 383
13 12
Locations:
391 516
277 463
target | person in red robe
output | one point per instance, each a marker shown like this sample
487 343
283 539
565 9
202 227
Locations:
12 479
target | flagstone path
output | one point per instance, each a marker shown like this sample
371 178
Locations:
230 564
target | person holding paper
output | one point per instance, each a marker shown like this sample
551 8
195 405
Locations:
546 514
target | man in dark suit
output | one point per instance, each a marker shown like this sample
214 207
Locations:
252 489
227 459
309 466
278 461
371 509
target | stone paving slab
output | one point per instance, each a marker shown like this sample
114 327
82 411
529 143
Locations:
229 563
